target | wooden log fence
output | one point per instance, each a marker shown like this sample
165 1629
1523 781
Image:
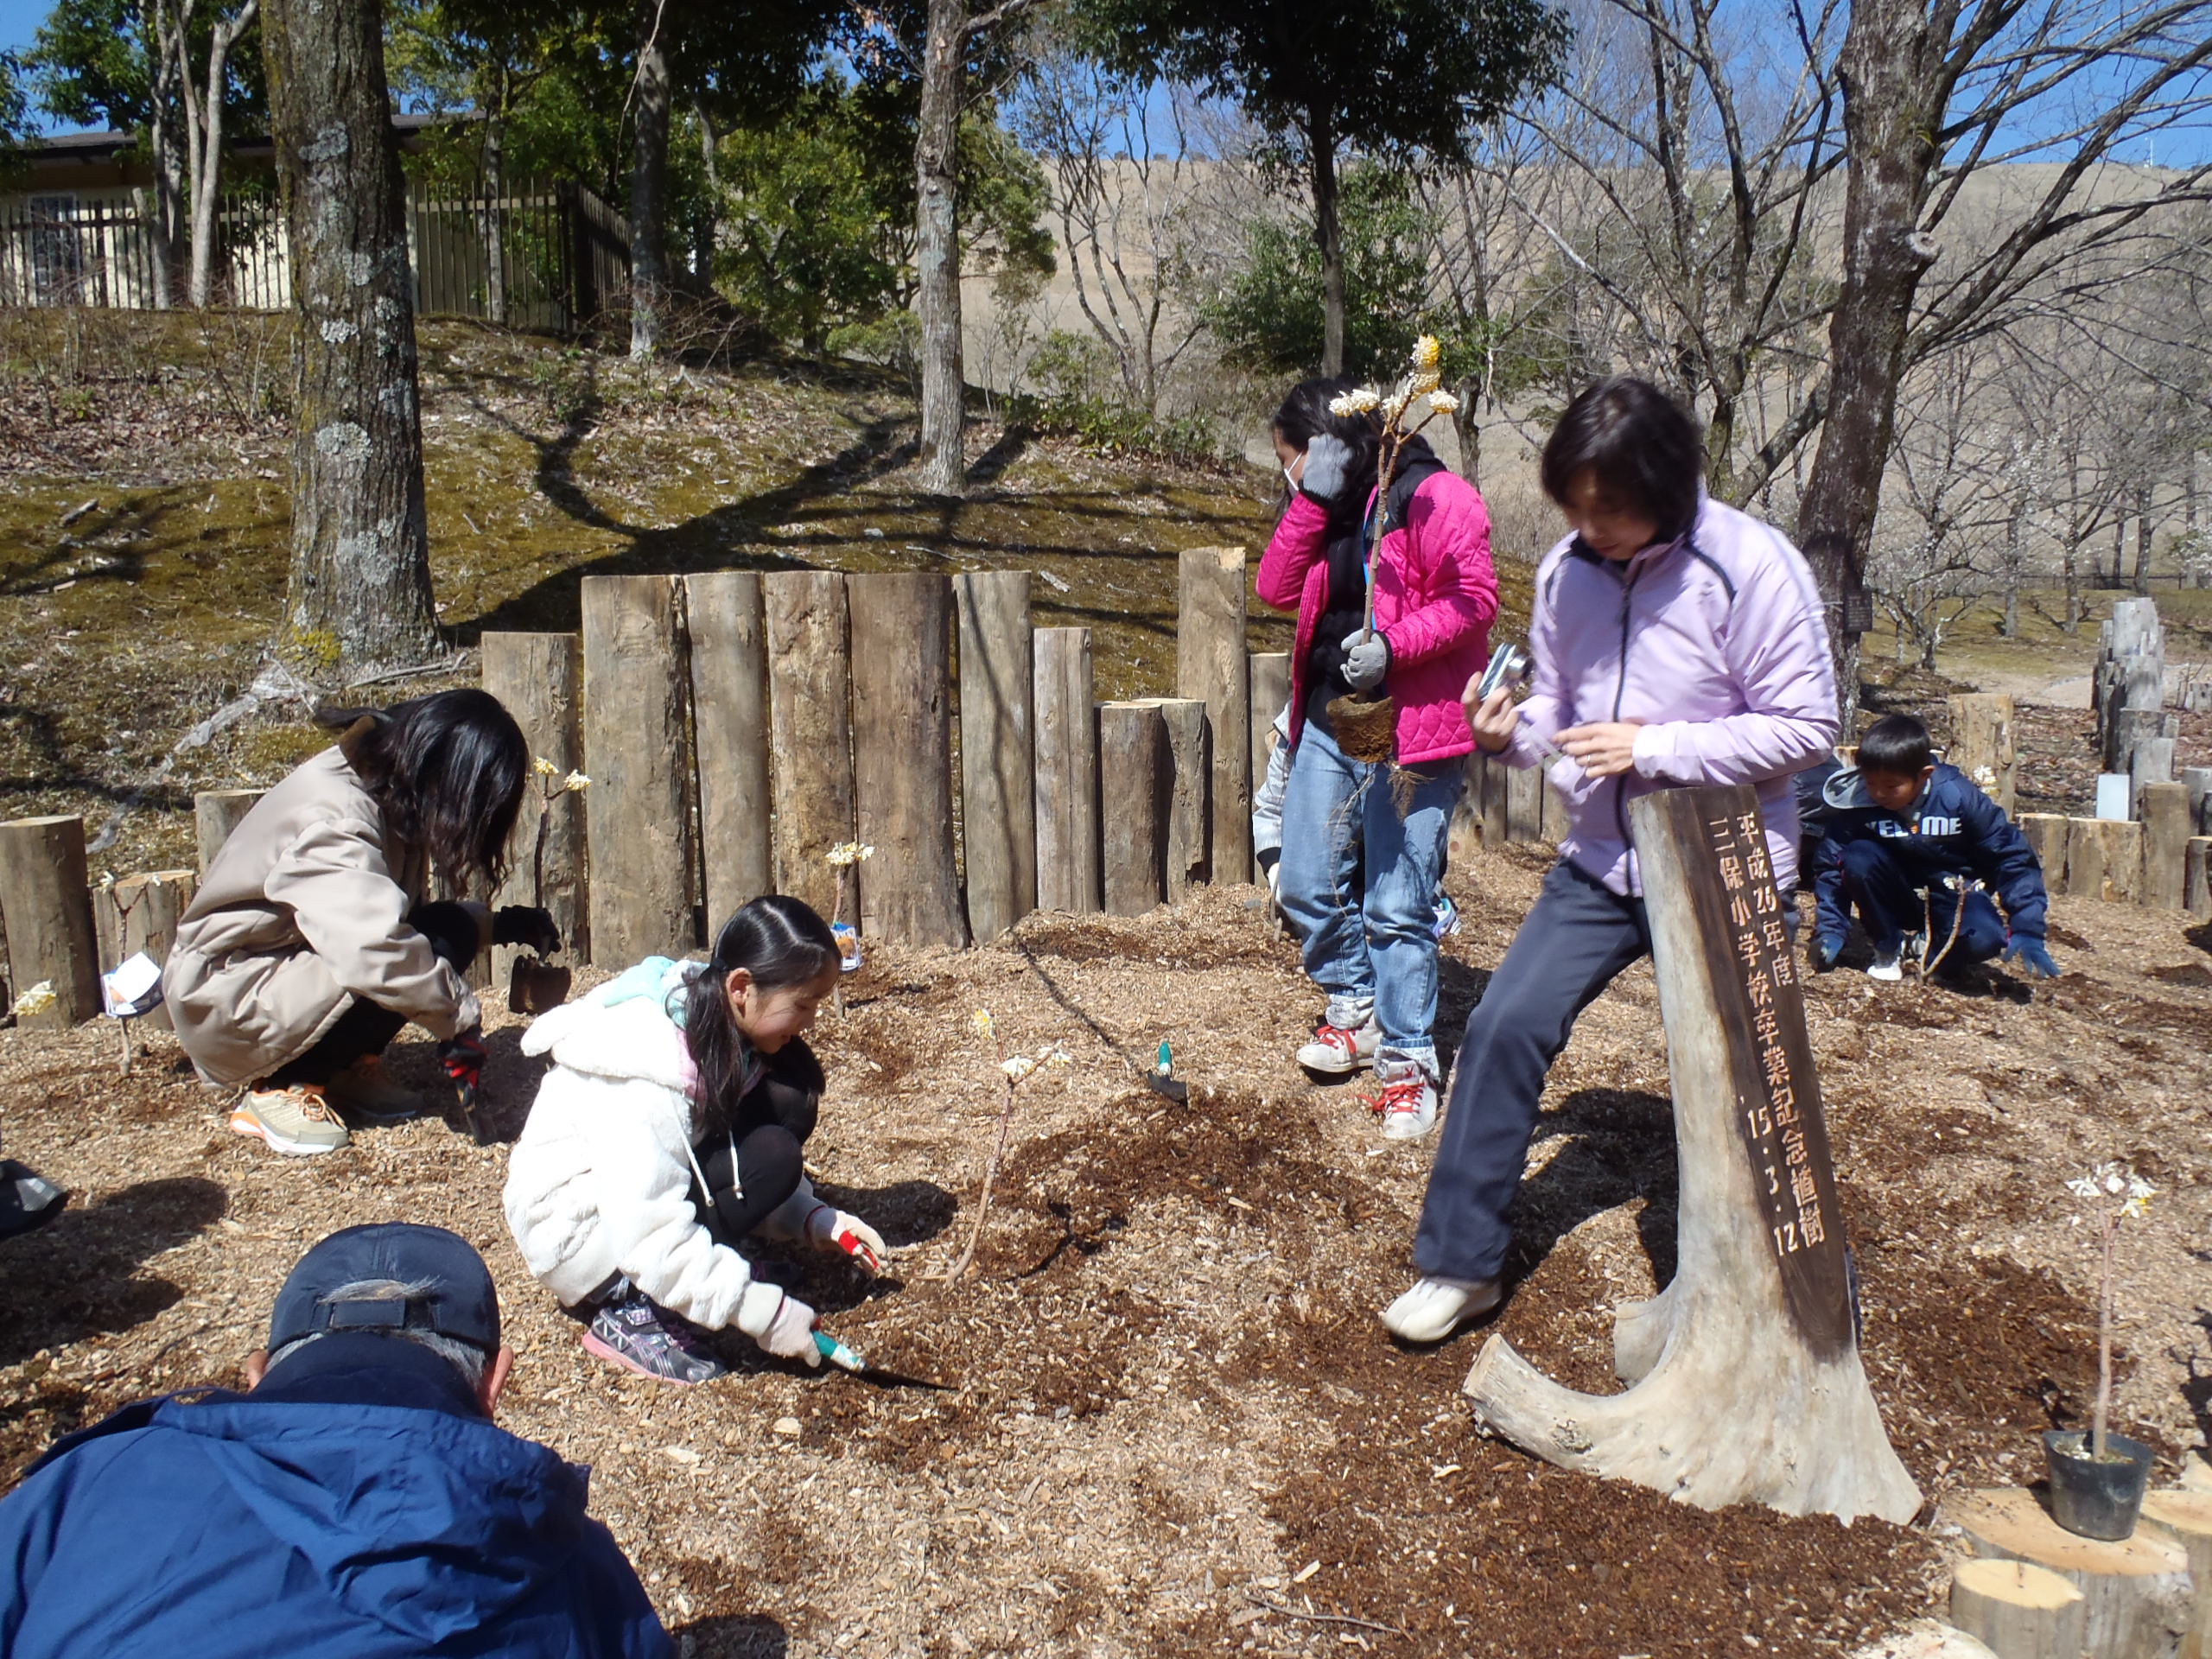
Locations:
46 910
637 809
215 813
902 756
1212 666
810 727
729 681
540 678
1135 769
998 750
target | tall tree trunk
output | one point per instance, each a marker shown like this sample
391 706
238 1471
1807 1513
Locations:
649 190
1321 140
2070 563
492 189
706 232
359 596
207 151
163 139
1888 147
2143 537
936 248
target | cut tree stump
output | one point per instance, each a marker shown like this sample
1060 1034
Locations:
1981 742
1211 665
2046 838
2120 848
1524 803
2198 781
1190 775
139 914
2186 1517
46 911
2136 1593
1467 831
2164 808
902 756
215 813
809 729
1270 696
1135 769
1066 729
1497 777
2196 891
729 702
539 679
637 813
1745 1373
2018 1610
998 756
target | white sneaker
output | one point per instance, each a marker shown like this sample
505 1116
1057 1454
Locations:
1435 1308
1886 967
1337 1051
1407 1100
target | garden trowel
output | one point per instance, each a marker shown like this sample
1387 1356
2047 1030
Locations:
846 1360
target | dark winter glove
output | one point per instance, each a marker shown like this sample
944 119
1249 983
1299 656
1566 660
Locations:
526 925
2031 957
1328 466
461 1056
1367 657
1825 949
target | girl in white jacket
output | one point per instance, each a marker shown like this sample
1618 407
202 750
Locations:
670 1127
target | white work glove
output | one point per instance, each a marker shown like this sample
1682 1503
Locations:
1367 657
829 1228
1328 463
788 1332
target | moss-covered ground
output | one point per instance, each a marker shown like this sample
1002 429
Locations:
143 527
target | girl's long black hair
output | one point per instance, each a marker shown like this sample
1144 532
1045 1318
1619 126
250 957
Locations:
447 771
779 940
1304 416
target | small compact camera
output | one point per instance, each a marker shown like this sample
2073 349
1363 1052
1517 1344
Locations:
1509 667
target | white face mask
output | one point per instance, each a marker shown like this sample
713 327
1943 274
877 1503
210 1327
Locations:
1291 478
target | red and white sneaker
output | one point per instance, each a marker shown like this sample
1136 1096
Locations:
1337 1051
1406 1102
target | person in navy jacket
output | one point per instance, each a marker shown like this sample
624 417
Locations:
1899 824
358 1504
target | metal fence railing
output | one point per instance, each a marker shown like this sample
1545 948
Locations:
546 258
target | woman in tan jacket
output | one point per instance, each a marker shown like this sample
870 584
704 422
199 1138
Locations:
309 945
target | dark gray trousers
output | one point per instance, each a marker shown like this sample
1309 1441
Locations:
1577 938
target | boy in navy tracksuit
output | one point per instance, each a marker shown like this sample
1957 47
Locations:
1898 823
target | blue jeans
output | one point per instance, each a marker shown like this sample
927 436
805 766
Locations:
1890 906
1375 948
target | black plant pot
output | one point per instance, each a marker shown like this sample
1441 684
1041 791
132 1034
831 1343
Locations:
535 986
2094 1499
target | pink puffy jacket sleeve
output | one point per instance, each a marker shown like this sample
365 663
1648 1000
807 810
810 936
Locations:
1449 529
1301 542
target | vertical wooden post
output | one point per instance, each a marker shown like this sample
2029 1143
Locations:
46 911
215 813
902 756
1210 663
1466 832
1066 731
1133 769
1552 819
2085 858
2196 895
810 726
2120 855
2045 833
1981 743
729 717
998 765
637 814
1497 787
2199 782
139 913
1270 692
2165 845
1191 774
1524 803
539 677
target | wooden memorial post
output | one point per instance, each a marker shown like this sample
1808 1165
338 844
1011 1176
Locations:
1745 1382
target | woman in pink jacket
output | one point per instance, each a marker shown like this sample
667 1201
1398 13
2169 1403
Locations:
1676 641
1371 944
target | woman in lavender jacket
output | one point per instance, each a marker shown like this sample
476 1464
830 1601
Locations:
1676 641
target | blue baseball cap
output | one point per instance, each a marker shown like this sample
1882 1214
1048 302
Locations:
458 1298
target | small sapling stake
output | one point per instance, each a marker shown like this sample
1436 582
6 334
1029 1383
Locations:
1013 1071
2116 1192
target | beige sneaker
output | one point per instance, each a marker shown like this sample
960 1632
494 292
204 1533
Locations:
295 1121
365 1090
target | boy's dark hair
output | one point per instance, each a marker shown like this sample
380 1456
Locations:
447 773
1642 445
779 940
1304 416
1897 744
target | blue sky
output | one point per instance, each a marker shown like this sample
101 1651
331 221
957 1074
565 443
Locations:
19 21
